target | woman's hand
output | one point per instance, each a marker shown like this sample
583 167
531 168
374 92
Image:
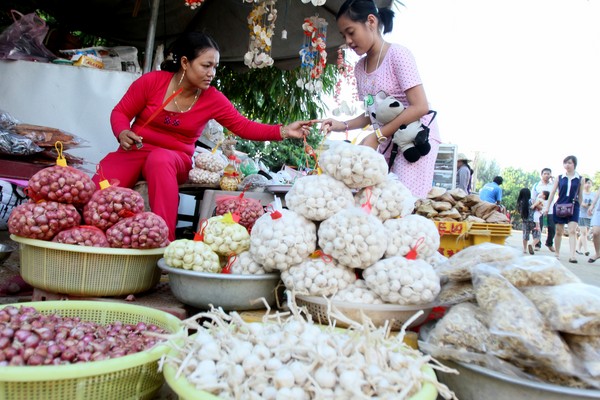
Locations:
296 130
129 139
331 125
370 140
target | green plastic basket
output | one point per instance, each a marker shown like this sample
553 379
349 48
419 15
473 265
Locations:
134 376
85 270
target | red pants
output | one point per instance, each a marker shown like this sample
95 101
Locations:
164 170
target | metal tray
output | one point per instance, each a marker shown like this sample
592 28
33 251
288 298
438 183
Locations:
228 291
478 383
397 315
279 188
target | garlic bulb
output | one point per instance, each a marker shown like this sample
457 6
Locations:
318 197
353 238
356 166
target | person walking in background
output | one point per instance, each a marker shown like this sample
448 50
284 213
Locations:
545 184
537 207
163 113
570 189
389 68
463 173
594 212
492 192
524 205
585 218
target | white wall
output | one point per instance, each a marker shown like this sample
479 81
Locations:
77 100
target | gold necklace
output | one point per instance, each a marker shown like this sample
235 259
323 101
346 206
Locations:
191 105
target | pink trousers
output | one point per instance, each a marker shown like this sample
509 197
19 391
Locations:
163 170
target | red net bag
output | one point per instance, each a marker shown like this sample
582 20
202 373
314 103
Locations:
145 230
61 183
248 210
82 236
110 205
42 220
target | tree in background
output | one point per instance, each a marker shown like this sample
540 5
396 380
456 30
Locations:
485 171
270 95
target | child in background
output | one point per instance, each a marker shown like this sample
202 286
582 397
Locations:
525 204
537 207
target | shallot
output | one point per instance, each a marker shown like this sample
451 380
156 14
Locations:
28 337
83 236
42 220
145 230
110 205
63 184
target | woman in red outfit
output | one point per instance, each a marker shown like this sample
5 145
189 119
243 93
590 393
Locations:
159 148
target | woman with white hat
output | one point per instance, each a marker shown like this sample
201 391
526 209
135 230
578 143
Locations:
463 174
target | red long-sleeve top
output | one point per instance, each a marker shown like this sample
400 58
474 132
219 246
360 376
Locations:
179 131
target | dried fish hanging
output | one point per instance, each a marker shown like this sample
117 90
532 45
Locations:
261 22
313 54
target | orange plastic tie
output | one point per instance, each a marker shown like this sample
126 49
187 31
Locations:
367 206
230 260
199 235
412 253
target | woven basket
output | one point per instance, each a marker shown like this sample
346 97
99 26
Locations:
85 270
135 376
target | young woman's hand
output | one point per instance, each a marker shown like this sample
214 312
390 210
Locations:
370 140
331 125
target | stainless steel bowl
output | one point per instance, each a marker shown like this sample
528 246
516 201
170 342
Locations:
476 383
396 315
5 251
228 291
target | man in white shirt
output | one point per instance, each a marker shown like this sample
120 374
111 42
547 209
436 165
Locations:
545 184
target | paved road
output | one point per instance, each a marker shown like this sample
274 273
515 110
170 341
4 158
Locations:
588 273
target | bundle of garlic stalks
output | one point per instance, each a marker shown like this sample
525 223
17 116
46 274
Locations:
288 356
456 205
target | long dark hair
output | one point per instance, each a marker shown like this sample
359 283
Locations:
523 203
359 10
189 45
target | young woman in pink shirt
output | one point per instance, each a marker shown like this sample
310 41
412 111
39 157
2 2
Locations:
389 68
163 113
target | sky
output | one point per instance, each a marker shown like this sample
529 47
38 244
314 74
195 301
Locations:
515 81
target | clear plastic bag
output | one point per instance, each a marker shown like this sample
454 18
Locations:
17 145
23 39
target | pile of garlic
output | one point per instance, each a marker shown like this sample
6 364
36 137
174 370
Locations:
353 238
356 166
208 168
279 241
317 277
288 357
389 199
401 281
411 232
244 264
226 237
191 255
318 197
